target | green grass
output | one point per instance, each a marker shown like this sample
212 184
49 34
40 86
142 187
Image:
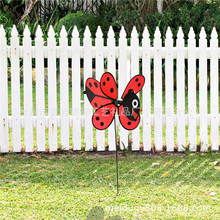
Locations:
67 186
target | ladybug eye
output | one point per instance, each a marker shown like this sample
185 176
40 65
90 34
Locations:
135 103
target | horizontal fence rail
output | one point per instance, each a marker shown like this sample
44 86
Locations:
42 107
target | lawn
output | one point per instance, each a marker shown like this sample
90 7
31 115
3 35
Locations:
152 186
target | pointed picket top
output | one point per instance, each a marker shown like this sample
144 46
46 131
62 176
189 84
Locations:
157 33
2 32
63 33
180 33
26 32
214 34
146 33
169 33
51 32
134 33
99 33
202 34
111 33
87 33
191 34
122 32
39 32
75 32
14 32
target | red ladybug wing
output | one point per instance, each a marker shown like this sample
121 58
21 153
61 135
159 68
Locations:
125 121
136 84
96 97
108 85
102 118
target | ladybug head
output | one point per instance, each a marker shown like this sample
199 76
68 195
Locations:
131 105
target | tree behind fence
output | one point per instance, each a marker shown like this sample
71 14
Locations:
38 114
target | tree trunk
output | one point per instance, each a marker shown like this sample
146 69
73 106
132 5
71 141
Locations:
160 6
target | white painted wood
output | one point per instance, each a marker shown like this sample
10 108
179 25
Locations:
99 63
64 89
169 91
52 90
76 90
128 59
203 108
4 147
87 43
135 71
192 90
40 87
28 106
180 73
146 68
158 90
123 79
112 69
15 91
214 96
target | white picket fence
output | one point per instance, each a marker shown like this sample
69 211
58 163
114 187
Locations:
18 131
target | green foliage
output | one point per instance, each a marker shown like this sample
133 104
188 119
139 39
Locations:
82 20
12 9
182 13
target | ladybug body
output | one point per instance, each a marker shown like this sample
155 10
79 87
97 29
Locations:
103 97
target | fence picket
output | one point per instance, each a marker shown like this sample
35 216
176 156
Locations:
214 96
158 90
192 90
180 73
99 42
15 91
3 93
64 89
122 81
40 94
28 109
203 90
111 68
52 90
76 90
134 71
88 73
146 95
169 91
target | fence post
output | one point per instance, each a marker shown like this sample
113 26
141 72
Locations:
99 71
28 109
135 71
169 90
214 74
192 90
146 94
3 93
52 90
76 90
180 74
122 80
87 43
64 89
111 68
40 94
15 91
203 90
158 90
